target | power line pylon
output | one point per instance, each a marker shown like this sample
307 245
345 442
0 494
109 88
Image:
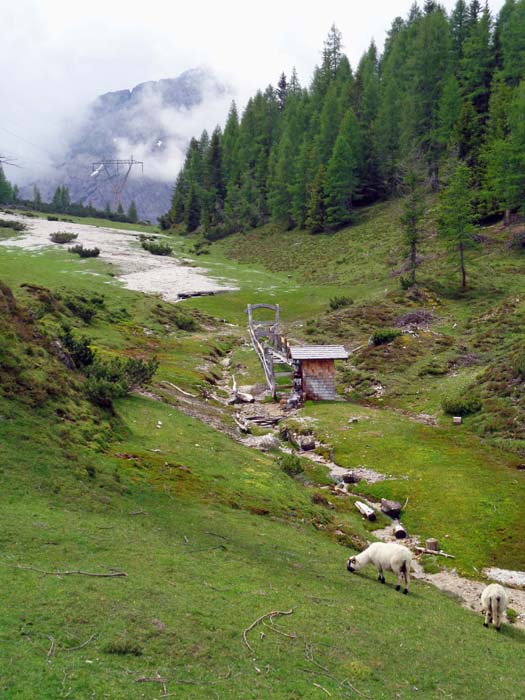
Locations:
117 171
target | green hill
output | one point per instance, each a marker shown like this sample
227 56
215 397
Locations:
212 535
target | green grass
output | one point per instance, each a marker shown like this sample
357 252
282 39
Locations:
199 573
460 490
211 534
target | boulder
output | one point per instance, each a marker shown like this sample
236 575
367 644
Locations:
307 443
391 508
350 478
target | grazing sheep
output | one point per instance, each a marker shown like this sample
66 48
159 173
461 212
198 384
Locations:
494 601
387 556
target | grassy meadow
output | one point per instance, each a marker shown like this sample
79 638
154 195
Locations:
211 534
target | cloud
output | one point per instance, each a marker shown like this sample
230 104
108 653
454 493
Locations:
57 56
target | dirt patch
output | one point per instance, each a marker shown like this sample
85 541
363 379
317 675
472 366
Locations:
138 269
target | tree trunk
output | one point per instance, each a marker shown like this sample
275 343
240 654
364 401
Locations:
463 271
506 217
413 261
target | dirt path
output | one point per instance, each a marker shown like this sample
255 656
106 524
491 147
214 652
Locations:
138 269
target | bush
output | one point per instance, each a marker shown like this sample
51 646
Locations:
185 323
201 248
122 648
85 252
339 302
84 308
14 225
157 248
80 350
53 218
63 237
384 335
111 380
290 464
461 405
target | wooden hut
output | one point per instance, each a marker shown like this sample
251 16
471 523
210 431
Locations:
315 367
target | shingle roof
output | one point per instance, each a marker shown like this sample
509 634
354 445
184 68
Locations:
318 352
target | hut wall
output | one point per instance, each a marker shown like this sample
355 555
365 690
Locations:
318 379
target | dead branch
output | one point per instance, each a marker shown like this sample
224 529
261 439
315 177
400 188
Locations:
138 512
81 646
276 629
51 650
177 388
323 689
115 574
424 550
216 534
270 615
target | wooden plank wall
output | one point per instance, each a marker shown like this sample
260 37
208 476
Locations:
318 379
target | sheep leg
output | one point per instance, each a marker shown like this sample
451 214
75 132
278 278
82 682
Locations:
488 616
406 575
381 576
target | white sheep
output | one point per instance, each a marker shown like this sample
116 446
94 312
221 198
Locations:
494 602
387 556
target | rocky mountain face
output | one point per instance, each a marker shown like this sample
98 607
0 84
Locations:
151 124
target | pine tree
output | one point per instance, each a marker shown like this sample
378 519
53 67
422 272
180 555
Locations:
192 210
456 216
316 213
342 174
282 91
37 197
107 210
413 210
132 212
332 52
6 191
120 209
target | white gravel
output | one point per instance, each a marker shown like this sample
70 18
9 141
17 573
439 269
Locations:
137 269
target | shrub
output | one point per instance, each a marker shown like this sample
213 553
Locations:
201 248
157 248
53 218
185 323
384 335
122 648
290 464
461 405
14 225
84 308
405 282
63 237
339 302
111 380
85 252
80 350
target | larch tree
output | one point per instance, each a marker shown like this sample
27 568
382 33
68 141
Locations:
456 216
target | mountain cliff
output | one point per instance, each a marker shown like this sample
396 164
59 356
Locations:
152 124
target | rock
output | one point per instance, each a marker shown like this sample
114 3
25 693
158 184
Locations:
307 443
350 478
391 508
457 420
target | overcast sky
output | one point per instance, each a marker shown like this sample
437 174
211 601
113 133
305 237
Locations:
57 56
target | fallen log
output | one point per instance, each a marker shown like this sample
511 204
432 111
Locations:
399 531
365 510
424 550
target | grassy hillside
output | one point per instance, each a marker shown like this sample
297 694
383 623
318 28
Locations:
213 535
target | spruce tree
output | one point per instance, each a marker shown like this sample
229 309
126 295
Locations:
37 197
316 212
192 210
282 91
120 209
413 210
6 191
107 210
456 216
342 174
132 212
